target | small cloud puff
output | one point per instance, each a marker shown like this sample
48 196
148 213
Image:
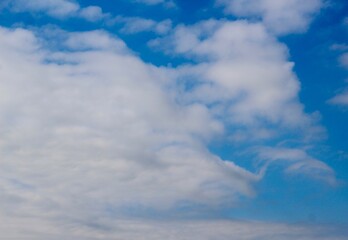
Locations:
341 98
60 9
165 3
134 25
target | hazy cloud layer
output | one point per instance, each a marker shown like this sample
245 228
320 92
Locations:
171 230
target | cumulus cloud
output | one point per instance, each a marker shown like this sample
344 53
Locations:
244 75
90 127
89 132
280 16
56 8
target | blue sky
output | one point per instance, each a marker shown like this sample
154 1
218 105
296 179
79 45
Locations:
152 119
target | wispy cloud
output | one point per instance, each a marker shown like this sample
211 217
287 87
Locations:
298 161
341 98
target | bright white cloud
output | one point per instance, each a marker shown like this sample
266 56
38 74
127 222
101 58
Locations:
93 128
89 131
280 16
244 75
57 8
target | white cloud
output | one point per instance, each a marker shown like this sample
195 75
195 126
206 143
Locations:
134 25
280 16
165 3
244 74
298 162
92 128
57 8
91 13
94 40
339 47
341 98
344 60
150 2
89 131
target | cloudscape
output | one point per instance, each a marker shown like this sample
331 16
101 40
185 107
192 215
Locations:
173 119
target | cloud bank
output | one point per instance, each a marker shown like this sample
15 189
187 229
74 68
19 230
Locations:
82 131
172 230
93 128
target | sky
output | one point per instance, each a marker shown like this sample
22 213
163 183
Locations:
174 119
